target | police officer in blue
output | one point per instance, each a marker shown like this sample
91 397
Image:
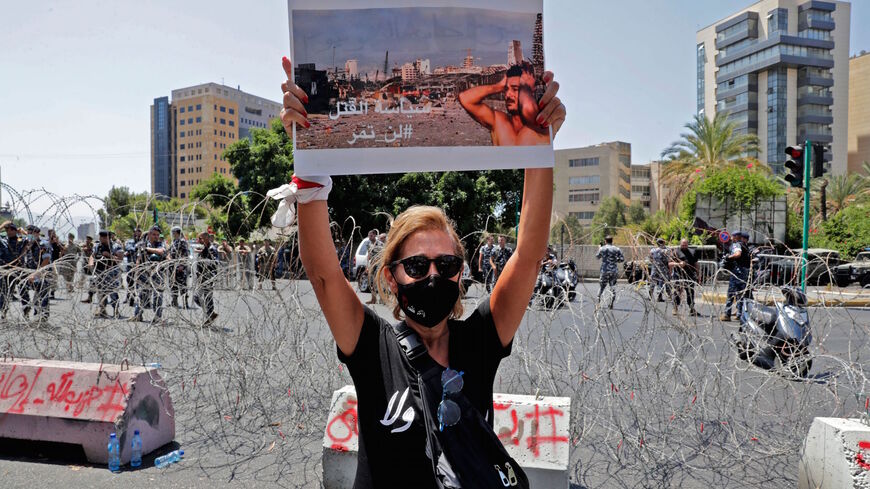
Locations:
12 249
737 262
37 261
131 253
151 252
180 256
105 263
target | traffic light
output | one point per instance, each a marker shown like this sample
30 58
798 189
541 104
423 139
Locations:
818 159
795 166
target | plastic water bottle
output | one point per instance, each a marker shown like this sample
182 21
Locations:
114 454
153 365
136 450
168 459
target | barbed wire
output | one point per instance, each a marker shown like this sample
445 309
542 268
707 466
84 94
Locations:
657 400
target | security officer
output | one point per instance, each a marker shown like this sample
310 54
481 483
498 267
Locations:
130 252
206 274
740 260
105 263
483 263
37 261
659 258
151 252
87 252
179 254
12 250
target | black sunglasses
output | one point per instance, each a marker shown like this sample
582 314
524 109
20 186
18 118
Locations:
418 266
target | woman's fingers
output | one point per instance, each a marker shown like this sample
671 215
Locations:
557 118
549 94
546 113
294 97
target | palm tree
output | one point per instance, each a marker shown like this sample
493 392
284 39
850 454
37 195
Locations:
843 190
707 145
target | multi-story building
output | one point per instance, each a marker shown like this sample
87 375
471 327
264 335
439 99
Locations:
204 121
643 188
780 69
859 111
583 177
162 137
515 53
351 68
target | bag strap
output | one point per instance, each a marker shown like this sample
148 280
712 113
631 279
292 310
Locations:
415 350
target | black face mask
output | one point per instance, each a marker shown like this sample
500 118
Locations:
428 301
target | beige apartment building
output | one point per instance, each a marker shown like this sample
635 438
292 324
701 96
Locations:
583 177
859 111
780 69
190 135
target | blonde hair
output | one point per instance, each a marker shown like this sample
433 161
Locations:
414 219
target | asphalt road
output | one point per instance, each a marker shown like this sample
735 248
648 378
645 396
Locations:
657 400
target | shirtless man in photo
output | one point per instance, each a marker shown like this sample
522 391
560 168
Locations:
522 124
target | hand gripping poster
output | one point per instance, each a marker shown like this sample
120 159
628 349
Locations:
431 85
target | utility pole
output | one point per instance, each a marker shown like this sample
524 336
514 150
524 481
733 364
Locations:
824 197
808 150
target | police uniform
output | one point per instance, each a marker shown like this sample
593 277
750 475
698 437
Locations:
11 261
131 247
107 274
179 254
610 257
266 264
737 282
659 277
500 257
149 280
207 264
485 254
37 281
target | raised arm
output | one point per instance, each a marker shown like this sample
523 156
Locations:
513 290
472 102
340 304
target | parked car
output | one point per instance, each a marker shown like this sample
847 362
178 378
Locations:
857 271
467 277
821 266
360 266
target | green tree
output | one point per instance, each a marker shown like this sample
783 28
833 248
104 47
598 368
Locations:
230 215
847 232
262 163
708 145
637 212
609 219
119 202
570 229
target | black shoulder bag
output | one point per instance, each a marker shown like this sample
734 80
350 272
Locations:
476 455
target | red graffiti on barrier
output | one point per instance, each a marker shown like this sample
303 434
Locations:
60 393
512 435
859 457
535 440
346 418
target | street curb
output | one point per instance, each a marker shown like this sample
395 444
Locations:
720 298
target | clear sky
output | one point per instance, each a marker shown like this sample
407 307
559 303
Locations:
77 78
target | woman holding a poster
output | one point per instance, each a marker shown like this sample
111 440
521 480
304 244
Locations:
424 386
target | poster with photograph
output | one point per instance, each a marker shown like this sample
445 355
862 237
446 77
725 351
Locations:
430 85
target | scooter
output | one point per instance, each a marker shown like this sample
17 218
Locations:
781 331
546 289
567 278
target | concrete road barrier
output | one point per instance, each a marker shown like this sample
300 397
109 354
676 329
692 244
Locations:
82 403
836 455
535 432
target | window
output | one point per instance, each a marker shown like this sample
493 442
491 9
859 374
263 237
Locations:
181 159
583 162
181 146
181 110
215 156
182 195
223 121
199 119
232 111
181 171
181 123
223 109
190 108
181 134
583 216
587 180
190 120
590 195
232 123
198 106
181 183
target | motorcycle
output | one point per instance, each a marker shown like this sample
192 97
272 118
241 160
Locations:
567 278
781 331
556 284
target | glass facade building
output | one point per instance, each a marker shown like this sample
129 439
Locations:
162 170
774 67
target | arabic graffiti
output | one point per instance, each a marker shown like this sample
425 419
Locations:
859 457
405 132
59 395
